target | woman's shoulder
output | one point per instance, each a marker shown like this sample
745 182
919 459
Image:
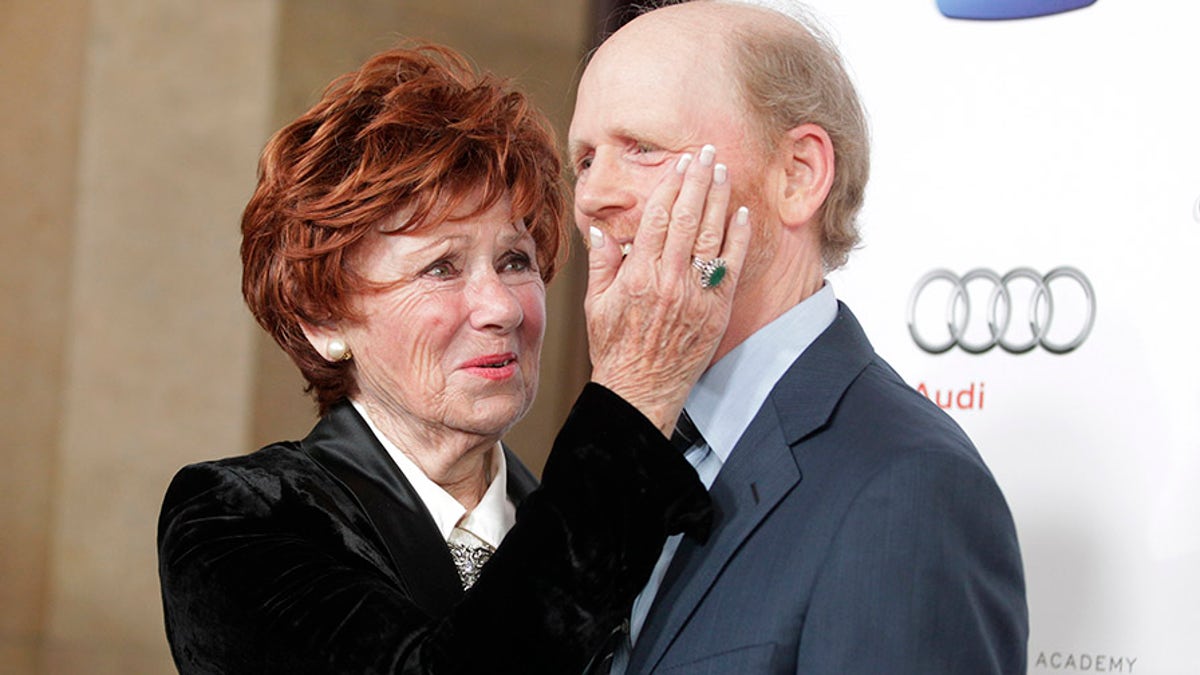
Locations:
266 477
283 456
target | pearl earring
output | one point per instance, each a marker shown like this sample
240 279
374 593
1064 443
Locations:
337 350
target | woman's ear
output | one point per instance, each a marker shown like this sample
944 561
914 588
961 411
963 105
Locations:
809 170
327 340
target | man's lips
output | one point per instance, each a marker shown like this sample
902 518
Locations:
492 366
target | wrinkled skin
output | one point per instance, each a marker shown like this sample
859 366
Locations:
652 327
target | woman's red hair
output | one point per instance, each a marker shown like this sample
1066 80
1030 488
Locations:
413 128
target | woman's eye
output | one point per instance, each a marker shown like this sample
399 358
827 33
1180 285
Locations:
516 262
440 270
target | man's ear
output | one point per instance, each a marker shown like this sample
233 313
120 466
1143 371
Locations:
809 169
327 340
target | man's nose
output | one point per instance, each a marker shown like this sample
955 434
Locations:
605 188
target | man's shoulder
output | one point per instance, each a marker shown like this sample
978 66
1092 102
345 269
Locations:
880 420
881 394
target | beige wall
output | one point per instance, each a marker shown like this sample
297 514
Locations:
129 132
39 114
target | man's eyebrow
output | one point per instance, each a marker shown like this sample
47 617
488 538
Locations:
576 148
622 134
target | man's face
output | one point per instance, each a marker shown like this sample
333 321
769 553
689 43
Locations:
648 96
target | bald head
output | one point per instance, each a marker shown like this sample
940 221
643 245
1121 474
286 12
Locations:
704 31
699 17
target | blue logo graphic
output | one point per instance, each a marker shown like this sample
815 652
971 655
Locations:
1007 9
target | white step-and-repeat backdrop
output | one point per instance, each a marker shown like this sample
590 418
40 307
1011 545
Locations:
1031 263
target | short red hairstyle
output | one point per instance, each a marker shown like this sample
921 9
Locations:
415 128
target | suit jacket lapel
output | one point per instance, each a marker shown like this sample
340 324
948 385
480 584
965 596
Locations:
760 471
806 396
749 485
347 448
520 481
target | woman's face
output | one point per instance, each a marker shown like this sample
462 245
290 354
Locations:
454 345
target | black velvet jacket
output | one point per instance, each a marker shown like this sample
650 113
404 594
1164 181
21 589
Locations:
318 557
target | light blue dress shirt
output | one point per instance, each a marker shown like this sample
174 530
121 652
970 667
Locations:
722 405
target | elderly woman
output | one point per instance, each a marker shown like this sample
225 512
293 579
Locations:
397 248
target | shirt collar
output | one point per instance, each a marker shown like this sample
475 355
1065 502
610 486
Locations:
730 393
491 518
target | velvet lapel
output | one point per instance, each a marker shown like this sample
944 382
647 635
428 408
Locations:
761 470
520 481
344 444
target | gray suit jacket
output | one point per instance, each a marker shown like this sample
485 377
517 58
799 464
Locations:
857 531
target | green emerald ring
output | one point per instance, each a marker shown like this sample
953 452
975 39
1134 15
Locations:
711 271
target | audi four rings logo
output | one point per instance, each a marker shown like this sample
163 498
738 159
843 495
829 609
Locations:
998 312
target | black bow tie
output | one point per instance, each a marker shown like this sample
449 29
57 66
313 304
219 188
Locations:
686 434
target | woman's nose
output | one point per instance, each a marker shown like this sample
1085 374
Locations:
494 304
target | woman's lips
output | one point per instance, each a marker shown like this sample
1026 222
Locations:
493 366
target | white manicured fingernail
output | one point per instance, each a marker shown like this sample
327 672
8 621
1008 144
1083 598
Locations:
626 248
742 216
684 160
707 153
596 236
720 173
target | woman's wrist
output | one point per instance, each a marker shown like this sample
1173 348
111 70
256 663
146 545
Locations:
659 405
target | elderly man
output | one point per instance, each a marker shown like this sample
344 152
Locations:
858 530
